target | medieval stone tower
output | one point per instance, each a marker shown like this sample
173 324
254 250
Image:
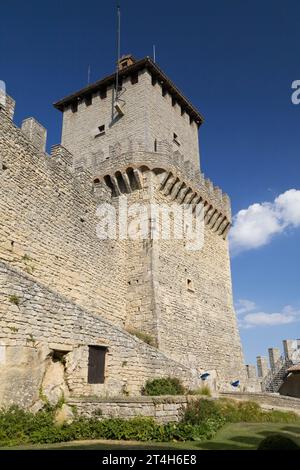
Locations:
65 292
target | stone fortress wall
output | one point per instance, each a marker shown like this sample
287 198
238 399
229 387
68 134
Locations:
63 289
44 323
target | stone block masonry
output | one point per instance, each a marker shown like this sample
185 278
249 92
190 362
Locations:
67 296
36 322
48 226
163 409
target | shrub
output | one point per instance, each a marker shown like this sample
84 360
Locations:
148 339
17 425
277 442
163 386
199 411
202 419
20 427
205 390
14 299
250 412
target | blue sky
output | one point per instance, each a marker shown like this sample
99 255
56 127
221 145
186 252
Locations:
236 61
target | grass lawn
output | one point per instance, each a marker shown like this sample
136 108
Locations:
231 437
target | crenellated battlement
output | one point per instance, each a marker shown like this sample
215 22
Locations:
182 181
185 183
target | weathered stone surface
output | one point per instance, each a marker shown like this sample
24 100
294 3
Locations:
21 374
54 387
64 415
63 289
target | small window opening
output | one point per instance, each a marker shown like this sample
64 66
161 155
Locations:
175 139
134 78
190 285
103 93
163 91
155 145
120 84
96 181
74 107
173 101
96 364
59 356
101 129
88 100
4 167
153 80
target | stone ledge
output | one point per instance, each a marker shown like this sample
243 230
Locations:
267 400
136 400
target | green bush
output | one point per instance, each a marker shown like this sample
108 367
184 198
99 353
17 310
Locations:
17 425
20 427
163 386
202 419
204 390
231 411
148 339
277 442
250 412
199 411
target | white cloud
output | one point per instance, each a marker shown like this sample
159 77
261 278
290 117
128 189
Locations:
255 226
244 306
251 317
288 205
267 319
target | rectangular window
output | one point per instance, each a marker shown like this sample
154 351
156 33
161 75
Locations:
103 93
100 131
163 91
173 101
74 106
153 80
175 139
190 285
88 100
134 78
120 84
96 364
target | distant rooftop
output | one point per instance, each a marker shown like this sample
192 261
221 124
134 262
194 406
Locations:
128 66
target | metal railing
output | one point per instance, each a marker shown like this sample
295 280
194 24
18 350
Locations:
274 378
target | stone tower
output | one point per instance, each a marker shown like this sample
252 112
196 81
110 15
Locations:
144 148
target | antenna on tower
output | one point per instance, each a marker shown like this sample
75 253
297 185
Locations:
118 49
89 75
154 53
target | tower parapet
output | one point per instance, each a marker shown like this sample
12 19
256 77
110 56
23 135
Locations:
8 105
35 132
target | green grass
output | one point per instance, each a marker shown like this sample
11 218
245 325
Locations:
235 436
